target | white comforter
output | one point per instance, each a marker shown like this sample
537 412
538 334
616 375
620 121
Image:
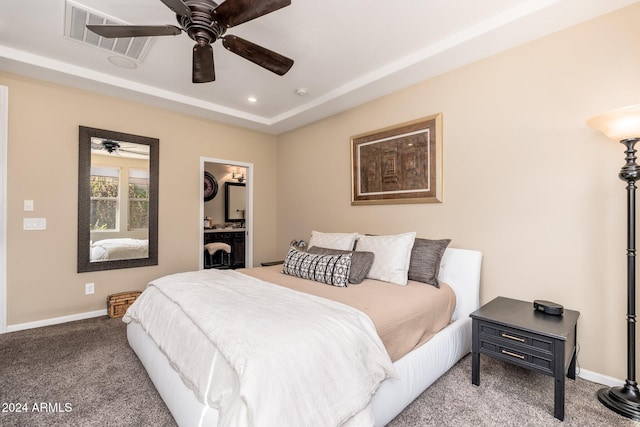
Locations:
277 357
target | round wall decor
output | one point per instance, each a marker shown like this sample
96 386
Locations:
210 186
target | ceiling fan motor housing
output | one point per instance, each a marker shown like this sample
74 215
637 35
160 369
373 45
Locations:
200 26
110 146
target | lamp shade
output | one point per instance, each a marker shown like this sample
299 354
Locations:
619 124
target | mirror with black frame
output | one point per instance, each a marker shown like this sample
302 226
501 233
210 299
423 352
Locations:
117 200
235 199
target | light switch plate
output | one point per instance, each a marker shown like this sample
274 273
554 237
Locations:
35 223
28 205
89 288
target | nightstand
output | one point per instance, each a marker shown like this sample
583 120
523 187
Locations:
270 263
512 331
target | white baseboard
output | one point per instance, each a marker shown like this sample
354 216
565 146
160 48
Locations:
599 378
56 320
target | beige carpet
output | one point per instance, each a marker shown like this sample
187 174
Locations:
507 396
84 374
86 365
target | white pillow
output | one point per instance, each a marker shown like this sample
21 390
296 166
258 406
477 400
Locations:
341 241
392 256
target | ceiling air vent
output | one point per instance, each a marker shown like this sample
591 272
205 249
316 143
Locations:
76 19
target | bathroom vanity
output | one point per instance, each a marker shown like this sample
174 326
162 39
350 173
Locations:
234 237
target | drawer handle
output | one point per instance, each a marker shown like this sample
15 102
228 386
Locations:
511 337
519 356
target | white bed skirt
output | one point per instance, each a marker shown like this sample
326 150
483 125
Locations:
416 371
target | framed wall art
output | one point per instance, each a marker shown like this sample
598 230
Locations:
398 164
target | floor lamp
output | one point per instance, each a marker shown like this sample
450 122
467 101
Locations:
624 125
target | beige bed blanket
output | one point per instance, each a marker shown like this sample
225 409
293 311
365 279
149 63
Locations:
404 316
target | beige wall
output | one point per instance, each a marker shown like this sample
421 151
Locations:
525 181
42 282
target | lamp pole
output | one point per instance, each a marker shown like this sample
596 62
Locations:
625 400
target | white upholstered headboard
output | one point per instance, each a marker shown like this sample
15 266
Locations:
460 269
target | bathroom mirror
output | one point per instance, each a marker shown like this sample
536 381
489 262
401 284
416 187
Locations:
235 199
117 200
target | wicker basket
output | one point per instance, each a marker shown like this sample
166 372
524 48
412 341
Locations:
117 304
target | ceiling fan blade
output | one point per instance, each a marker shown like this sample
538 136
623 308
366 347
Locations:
235 12
259 55
203 70
178 7
115 31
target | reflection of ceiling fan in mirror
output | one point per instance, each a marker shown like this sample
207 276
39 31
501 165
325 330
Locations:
205 22
119 148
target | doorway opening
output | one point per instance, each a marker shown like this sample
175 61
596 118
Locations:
226 214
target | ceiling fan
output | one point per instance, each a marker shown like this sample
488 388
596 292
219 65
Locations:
205 22
125 149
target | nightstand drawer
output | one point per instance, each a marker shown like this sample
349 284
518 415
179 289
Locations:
517 356
509 335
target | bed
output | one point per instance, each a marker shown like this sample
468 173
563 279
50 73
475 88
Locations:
413 372
122 248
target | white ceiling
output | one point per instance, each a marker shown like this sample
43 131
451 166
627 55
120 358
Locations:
346 52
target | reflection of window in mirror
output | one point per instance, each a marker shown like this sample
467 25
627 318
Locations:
138 199
109 205
105 182
119 197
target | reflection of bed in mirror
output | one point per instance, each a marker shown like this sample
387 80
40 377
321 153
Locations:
124 248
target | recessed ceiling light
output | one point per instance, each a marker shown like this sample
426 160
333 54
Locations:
122 62
303 91
252 99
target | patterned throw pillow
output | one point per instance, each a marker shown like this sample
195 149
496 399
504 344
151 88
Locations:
361 262
329 269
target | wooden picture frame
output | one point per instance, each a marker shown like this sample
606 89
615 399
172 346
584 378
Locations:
398 164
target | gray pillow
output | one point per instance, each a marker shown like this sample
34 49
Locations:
361 262
425 260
